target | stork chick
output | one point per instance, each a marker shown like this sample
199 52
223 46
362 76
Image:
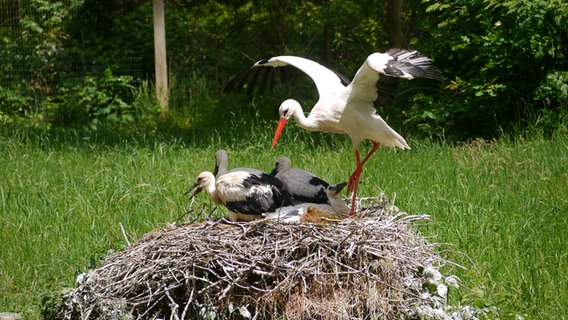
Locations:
246 195
301 185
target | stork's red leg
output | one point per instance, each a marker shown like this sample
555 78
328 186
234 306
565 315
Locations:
355 177
354 182
353 202
375 147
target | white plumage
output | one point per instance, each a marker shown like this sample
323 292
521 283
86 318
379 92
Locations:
348 107
301 185
246 195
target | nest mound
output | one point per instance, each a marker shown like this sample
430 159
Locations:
373 266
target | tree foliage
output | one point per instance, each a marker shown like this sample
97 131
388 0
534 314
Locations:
506 61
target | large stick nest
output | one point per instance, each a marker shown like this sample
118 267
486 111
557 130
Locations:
373 266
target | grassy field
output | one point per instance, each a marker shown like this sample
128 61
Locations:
502 205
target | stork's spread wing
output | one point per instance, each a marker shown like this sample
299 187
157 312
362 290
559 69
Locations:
377 78
261 78
267 72
411 64
387 90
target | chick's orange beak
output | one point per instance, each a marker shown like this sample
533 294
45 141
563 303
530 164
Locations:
281 124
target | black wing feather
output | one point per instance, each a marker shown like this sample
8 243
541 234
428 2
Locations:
258 202
316 181
412 62
319 197
266 79
387 90
237 81
318 190
264 178
277 186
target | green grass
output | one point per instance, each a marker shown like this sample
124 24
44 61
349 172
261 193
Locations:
502 205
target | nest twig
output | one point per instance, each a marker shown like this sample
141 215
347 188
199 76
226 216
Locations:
367 267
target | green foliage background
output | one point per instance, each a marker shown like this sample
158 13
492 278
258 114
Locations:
506 61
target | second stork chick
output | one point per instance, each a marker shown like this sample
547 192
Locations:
301 185
222 164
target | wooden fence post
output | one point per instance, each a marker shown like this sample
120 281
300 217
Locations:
160 59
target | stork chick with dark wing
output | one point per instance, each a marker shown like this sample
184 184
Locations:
301 185
246 195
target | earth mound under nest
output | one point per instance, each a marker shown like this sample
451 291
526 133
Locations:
374 266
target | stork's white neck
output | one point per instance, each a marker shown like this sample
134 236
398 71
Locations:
212 192
308 123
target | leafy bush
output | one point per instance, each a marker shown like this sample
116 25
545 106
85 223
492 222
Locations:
507 60
14 104
554 89
107 99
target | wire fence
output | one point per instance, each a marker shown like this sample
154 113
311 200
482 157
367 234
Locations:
33 52
12 62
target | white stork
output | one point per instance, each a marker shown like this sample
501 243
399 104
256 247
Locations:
246 195
301 185
345 107
295 213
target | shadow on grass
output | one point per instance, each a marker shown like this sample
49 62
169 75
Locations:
175 130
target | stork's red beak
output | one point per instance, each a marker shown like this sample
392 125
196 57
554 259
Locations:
281 124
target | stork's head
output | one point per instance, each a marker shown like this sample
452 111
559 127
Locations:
333 190
282 164
204 180
337 203
287 109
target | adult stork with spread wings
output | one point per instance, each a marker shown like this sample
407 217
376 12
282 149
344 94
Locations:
345 107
